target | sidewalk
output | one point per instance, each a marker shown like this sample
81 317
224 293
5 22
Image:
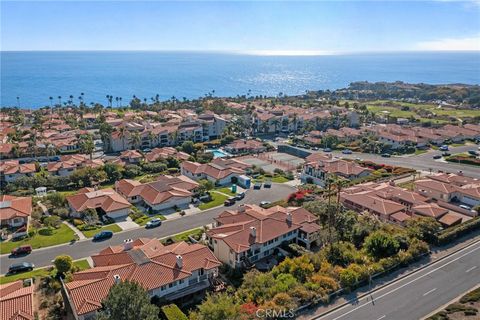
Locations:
437 253
80 235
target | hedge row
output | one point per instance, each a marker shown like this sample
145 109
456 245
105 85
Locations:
452 233
172 312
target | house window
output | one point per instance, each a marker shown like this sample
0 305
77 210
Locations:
180 281
171 285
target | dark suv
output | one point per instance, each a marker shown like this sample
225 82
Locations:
21 267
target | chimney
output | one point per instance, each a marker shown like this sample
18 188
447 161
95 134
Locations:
241 208
289 217
116 278
179 261
253 232
127 244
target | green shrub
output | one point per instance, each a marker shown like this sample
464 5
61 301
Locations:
172 312
452 233
77 222
472 296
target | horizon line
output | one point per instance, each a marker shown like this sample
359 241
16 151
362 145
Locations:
271 53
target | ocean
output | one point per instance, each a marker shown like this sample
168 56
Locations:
35 76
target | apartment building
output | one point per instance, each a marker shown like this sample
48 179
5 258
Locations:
174 271
318 168
251 233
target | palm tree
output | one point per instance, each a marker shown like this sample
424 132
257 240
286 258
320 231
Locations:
51 102
151 137
122 132
51 150
135 139
59 101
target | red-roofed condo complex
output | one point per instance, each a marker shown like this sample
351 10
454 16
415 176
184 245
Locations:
245 236
170 272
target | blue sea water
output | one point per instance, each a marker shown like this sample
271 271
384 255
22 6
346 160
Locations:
35 76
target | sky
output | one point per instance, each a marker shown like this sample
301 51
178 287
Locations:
260 27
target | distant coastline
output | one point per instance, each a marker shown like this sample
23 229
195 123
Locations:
34 76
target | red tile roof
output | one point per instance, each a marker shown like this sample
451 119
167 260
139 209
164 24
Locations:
16 301
107 199
235 227
148 262
12 207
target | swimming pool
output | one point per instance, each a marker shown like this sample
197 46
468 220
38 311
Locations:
218 153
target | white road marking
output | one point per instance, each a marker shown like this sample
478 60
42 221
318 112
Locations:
381 317
428 292
406 284
472 268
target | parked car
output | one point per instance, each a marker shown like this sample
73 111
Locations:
327 150
464 206
347 151
106 234
267 184
240 196
206 197
473 152
153 223
386 155
146 150
437 156
22 250
264 204
257 185
444 148
315 149
446 154
229 202
21 267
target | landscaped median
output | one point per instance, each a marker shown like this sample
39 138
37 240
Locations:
111 227
42 238
40 272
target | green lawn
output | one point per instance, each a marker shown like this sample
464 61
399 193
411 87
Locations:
279 179
217 200
143 222
40 272
111 227
184 235
420 151
61 235
226 190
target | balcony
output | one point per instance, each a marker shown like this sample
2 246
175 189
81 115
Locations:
202 285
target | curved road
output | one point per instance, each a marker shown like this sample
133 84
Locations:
85 248
418 294
422 162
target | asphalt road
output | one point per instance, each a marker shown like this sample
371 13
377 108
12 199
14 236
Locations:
85 248
423 162
418 294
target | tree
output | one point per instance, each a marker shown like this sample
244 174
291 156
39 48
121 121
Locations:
63 263
135 140
348 278
87 145
90 216
218 306
52 221
188 147
128 301
423 228
381 244
113 171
